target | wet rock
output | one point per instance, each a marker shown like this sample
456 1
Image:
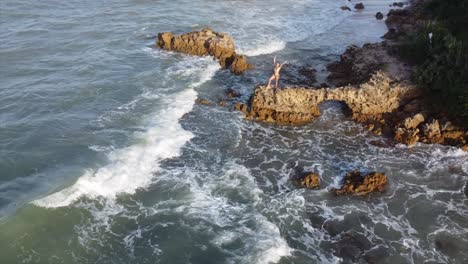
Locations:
376 255
345 8
241 107
379 16
309 180
407 136
351 246
413 122
203 101
230 93
355 183
413 106
359 6
206 43
432 130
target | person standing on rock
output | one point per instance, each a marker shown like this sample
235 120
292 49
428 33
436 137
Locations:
276 73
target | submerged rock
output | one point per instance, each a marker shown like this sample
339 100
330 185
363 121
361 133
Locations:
379 16
359 6
345 8
206 43
351 246
355 183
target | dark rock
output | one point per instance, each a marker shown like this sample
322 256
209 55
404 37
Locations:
359 6
398 4
379 16
345 8
230 93
376 255
351 246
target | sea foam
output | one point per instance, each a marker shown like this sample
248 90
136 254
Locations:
132 168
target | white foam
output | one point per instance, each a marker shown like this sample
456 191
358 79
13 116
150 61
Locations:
265 48
132 168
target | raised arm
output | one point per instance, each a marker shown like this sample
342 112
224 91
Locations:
274 60
281 66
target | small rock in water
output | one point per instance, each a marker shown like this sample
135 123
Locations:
309 180
345 8
379 16
359 6
203 101
230 93
355 183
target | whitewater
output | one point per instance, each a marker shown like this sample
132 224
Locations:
105 156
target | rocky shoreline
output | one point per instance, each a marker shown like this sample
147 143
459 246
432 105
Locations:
375 85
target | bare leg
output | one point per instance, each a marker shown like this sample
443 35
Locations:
277 80
270 80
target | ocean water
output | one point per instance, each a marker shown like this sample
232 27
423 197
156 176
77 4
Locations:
106 158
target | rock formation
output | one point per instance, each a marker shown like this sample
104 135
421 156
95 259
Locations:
301 105
206 43
309 180
356 183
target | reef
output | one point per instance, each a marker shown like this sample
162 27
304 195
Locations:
206 43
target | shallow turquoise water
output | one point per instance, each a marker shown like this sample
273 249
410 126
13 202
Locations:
105 158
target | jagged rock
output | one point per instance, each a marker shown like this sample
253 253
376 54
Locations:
407 136
345 8
355 183
206 43
300 105
241 107
432 130
413 122
359 6
308 180
379 16
357 65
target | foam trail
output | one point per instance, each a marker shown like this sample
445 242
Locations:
271 47
132 167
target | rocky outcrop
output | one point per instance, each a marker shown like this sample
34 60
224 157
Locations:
301 105
356 183
309 180
206 43
357 64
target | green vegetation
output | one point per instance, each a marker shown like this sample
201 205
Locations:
442 60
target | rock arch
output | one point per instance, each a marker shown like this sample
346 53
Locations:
298 105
